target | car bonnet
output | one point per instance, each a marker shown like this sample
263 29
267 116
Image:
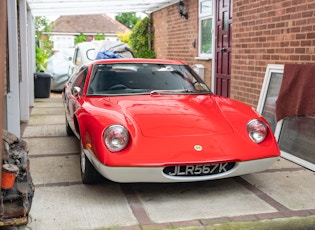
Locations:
174 115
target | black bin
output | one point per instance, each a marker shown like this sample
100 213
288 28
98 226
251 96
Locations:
42 83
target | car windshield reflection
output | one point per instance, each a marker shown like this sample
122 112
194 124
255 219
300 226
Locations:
143 78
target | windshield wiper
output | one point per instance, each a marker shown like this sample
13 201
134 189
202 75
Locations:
168 91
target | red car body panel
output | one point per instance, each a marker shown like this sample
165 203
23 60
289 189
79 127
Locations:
165 129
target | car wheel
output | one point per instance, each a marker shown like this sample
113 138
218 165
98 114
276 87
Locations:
68 129
88 173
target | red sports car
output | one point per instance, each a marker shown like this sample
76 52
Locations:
151 120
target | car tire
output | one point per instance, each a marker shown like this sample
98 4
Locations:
88 173
68 129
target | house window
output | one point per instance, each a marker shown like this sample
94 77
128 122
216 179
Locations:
205 28
63 42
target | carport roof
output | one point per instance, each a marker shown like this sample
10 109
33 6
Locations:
81 7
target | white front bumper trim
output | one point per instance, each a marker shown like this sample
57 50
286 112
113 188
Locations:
156 175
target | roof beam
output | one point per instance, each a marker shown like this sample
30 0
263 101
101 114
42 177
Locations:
81 7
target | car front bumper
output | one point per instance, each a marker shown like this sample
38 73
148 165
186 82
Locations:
156 174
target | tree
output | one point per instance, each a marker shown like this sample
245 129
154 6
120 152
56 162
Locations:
42 25
141 39
128 19
44 47
125 37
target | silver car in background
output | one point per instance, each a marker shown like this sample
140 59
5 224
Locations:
60 67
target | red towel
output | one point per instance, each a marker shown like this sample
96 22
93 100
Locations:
297 92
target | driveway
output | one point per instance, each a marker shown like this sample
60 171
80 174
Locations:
282 196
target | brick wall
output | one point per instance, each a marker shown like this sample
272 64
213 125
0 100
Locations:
268 32
174 37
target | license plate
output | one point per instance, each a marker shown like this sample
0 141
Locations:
198 170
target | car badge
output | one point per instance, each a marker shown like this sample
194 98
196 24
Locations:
198 148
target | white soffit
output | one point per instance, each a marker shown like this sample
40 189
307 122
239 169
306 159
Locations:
81 7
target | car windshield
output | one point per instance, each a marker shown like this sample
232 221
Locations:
144 78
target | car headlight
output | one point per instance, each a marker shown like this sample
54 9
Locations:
257 130
116 138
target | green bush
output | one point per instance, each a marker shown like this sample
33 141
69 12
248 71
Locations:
41 59
80 38
44 47
42 54
141 39
100 36
124 37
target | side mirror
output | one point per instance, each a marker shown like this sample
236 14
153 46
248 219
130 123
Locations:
76 91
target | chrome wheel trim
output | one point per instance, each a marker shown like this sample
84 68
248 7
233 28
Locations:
83 161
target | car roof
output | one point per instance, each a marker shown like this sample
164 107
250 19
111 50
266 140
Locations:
137 60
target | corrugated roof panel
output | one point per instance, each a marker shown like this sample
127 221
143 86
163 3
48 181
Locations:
82 7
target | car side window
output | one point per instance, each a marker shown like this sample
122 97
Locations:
80 80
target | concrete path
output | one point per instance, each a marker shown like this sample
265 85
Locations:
279 198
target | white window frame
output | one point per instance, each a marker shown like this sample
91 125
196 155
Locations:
204 16
62 42
277 68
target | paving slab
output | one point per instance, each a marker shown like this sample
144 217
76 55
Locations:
202 200
282 163
56 103
61 169
293 189
54 96
45 146
80 207
49 130
48 111
47 119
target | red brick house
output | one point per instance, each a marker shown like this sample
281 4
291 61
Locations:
246 36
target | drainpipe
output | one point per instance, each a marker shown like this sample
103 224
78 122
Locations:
3 54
